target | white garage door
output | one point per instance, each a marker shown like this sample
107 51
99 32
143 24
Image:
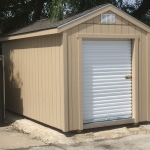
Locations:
107 94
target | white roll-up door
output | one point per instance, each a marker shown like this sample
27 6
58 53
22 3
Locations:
107 94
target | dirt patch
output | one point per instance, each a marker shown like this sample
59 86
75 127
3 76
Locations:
11 139
51 136
107 146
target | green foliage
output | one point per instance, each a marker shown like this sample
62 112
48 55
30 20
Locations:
14 14
82 5
57 9
61 9
18 13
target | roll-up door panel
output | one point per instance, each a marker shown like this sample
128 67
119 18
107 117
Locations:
107 94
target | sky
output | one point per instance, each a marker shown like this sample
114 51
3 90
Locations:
130 1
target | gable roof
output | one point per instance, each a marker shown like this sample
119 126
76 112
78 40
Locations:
45 24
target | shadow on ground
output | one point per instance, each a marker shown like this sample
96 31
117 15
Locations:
13 117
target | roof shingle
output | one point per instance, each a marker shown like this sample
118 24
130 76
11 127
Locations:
45 24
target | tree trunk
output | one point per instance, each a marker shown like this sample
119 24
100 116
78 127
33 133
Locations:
38 9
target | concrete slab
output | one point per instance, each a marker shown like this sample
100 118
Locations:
10 139
133 142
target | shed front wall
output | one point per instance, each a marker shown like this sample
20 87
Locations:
121 27
34 78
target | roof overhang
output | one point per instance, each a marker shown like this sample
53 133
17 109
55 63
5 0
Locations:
78 21
31 34
83 18
99 11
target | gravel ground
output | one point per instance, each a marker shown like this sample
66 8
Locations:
11 139
133 142
51 136
24 134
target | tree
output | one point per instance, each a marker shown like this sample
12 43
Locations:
140 10
143 12
64 8
18 13
60 9
39 5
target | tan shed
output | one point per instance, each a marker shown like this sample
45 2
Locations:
87 71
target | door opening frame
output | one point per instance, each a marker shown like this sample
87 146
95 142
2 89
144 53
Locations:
135 78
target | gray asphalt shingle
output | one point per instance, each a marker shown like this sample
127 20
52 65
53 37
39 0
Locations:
45 24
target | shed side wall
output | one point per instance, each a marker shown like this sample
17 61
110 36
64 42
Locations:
94 26
34 78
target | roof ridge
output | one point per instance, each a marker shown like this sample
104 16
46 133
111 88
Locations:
46 23
43 25
42 19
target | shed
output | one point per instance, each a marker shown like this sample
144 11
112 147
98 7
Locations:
89 70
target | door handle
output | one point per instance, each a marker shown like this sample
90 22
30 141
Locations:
128 77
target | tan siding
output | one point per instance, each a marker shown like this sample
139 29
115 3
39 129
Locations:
64 80
97 19
89 26
121 26
97 27
139 31
132 28
70 80
118 19
112 29
118 24
148 99
109 12
58 72
125 28
35 78
74 84
43 80
82 28
105 28
144 69
50 79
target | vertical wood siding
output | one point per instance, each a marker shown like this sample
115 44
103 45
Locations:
37 79
148 78
34 78
121 26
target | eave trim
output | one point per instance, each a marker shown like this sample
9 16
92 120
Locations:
27 35
112 8
72 21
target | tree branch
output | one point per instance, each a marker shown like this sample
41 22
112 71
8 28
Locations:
38 9
142 10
